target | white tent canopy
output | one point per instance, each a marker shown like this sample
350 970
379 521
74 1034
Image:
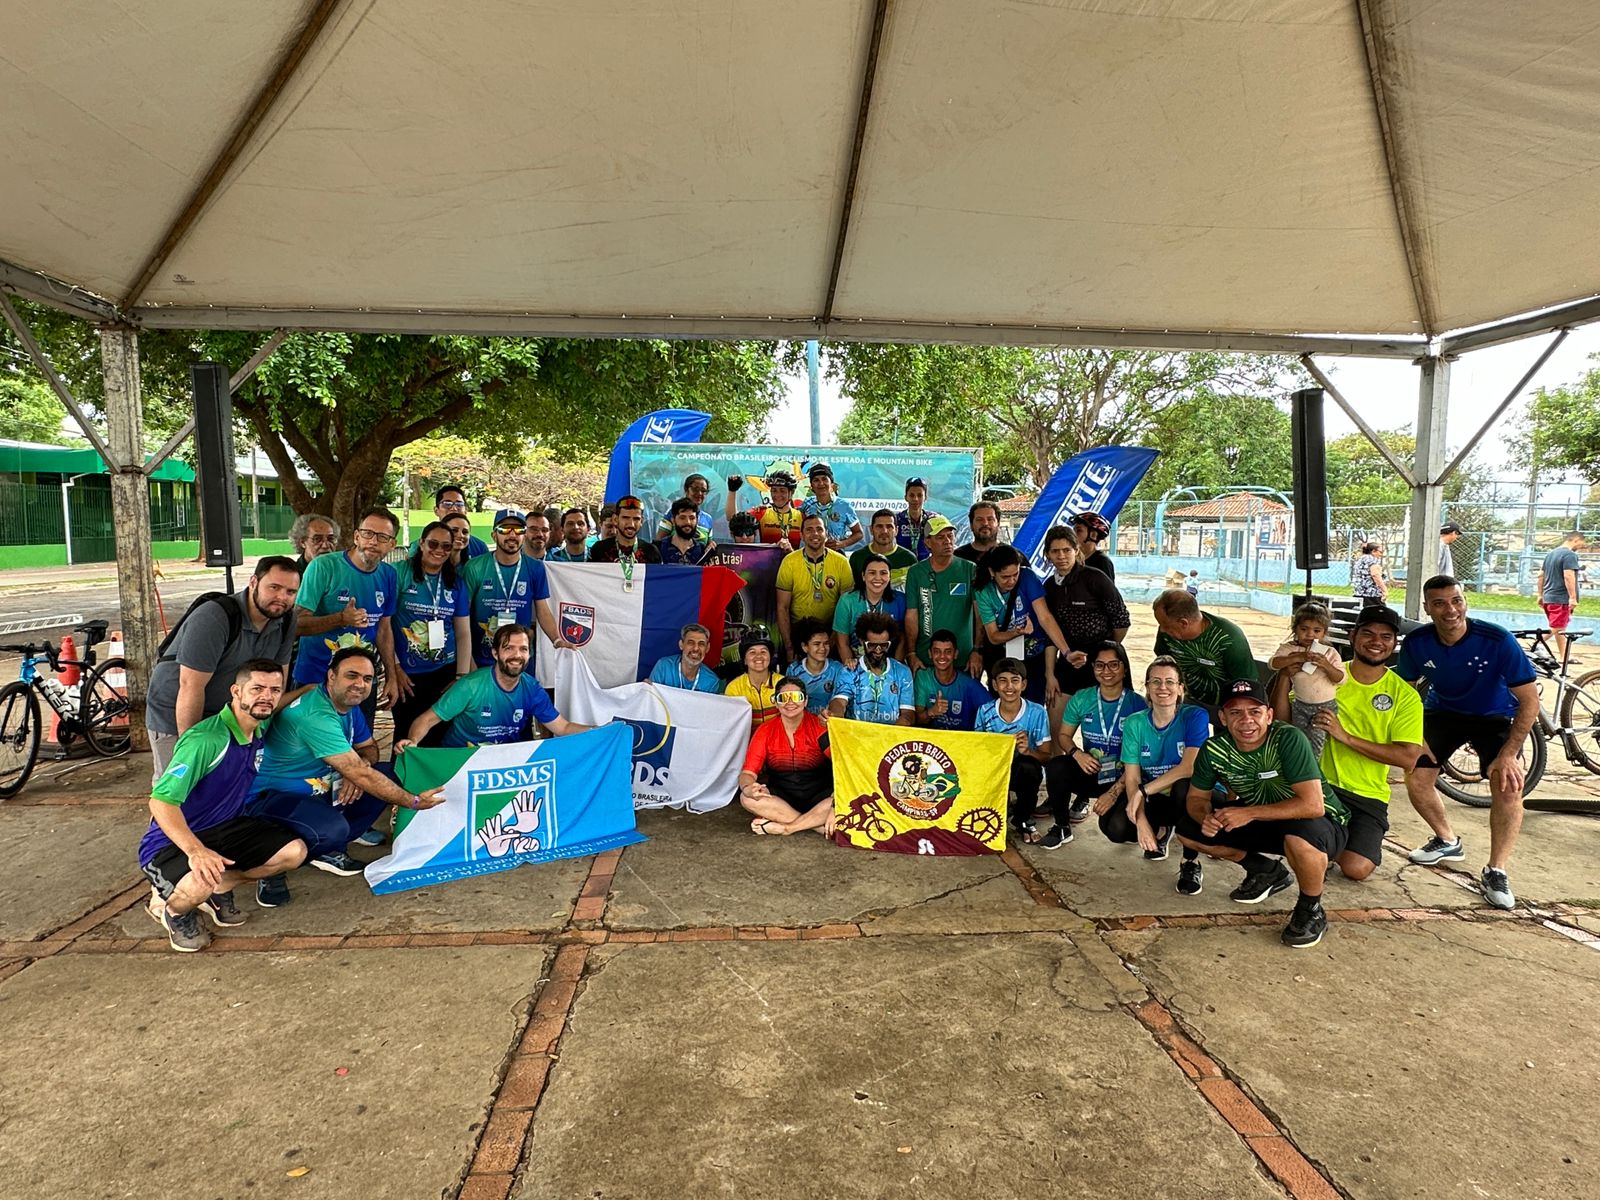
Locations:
1352 175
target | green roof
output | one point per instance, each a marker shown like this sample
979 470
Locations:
19 457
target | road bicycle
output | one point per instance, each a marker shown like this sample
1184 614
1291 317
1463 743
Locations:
97 715
1573 719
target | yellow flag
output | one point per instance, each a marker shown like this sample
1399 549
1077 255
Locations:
919 791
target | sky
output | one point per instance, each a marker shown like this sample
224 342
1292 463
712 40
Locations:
1383 391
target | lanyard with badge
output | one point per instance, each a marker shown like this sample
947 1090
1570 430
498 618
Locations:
436 634
1116 716
627 562
817 573
506 616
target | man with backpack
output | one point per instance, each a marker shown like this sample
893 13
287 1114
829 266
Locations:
218 634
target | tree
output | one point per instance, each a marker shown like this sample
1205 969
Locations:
1561 430
29 410
532 481
1212 442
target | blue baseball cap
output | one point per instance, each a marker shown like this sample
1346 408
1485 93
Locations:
507 516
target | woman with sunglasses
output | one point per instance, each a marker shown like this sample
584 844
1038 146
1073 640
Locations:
432 633
1092 772
787 781
1159 747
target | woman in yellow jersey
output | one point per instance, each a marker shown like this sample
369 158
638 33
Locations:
756 652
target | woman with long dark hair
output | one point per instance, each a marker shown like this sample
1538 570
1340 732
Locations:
431 631
873 593
1087 607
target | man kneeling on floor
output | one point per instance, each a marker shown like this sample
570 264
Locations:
317 773
199 847
1256 790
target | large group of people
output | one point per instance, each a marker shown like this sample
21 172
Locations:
261 705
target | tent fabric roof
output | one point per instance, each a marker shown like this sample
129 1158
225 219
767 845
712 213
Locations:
1172 172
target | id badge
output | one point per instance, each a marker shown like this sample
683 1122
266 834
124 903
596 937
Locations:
436 634
816 596
495 622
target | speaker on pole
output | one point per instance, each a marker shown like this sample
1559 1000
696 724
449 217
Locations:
216 476
1310 481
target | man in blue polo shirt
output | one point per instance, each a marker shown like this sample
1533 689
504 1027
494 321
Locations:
880 689
687 669
508 588
199 847
1481 692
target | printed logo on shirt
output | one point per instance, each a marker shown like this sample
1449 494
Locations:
958 589
178 770
1383 702
1267 775
576 622
1431 665
516 716
522 587
377 597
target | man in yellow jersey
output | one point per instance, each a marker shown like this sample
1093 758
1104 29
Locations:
811 579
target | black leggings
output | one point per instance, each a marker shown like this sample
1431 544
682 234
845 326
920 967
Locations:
1026 775
1066 781
426 688
1161 809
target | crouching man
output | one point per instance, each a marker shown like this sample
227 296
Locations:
1256 791
200 846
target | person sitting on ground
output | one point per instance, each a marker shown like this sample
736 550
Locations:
880 688
319 774
900 560
432 623
844 527
754 686
624 546
1093 530
873 593
913 526
193 675
1311 669
199 845
574 545
787 781
1482 693
810 580
1092 774
1017 620
947 698
686 669
1029 725
778 521
1210 651
687 543
1159 747
1377 724
1255 791
696 488
313 535
449 500
493 705
820 674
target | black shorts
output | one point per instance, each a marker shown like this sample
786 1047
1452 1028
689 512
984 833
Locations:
1266 837
801 790
1447 732
249 841
1369 821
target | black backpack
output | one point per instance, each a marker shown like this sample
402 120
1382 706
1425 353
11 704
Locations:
229 602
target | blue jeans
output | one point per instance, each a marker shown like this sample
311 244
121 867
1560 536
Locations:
327 828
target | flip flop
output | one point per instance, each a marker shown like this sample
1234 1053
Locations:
759 826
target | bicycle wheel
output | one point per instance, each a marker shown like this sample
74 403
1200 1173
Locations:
1462 777
1580 712
103 708
19 737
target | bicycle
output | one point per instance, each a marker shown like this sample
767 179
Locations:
99 715
1575 722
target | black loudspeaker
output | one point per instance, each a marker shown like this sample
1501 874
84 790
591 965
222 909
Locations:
216 475
1310 480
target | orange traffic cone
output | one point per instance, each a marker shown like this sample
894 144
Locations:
69 675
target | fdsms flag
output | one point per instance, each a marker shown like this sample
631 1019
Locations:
928 791
505 805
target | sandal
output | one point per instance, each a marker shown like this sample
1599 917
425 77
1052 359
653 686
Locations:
1029 831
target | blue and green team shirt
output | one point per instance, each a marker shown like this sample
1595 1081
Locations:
821 687
1032 720
668 672
1099 722
306 732
207 778
965 694
838 515
330 582
479 712
878 698
1474 677
1265 775
420 602
992 606
1157 751
501 595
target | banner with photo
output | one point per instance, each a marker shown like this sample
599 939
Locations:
522 802
919 791
756 603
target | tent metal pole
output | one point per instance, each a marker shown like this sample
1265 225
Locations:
1499 412
1349 410
25 336
235 382
880 18
1427 494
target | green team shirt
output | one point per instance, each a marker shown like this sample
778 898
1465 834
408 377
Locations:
1267 774
1383 712
1219 655
900 559
943 600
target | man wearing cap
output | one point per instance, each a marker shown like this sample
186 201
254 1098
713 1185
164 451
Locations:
900 559
913 528
778 521
685 546
939 595
1448 533
507 588
695 489
1378 725
1558 587
624 546
810 580
1209 650
1256 791
844 527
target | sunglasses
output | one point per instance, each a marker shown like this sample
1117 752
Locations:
508 528
435 544
788 697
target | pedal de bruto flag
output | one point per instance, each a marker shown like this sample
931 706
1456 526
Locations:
623 621
1099 480
506 805
687 746
663 425
919 791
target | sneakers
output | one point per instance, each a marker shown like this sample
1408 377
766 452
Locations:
1058 837
1435 850
224 913
371 837
1190 876
1163 839
1305 927
337 864
184 933
273 892
1080 811
1496 888
1259 886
